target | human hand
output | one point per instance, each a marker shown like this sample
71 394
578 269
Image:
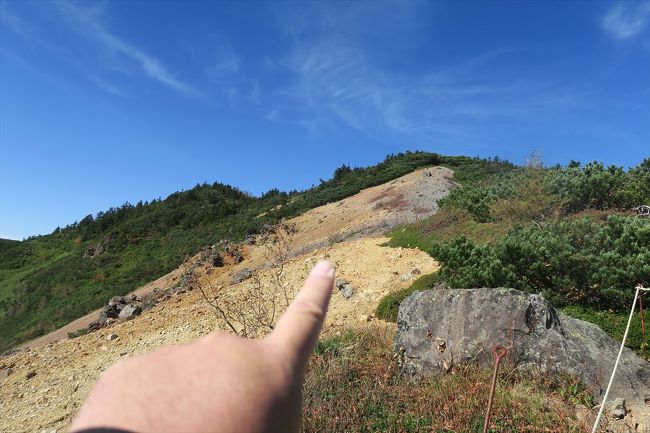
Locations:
222 383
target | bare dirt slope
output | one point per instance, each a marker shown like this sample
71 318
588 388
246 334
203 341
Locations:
50 379
370 212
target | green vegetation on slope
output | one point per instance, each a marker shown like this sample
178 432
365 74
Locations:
389 305
46 281
563 232
579 262
6 244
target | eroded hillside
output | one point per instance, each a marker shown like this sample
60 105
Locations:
49 380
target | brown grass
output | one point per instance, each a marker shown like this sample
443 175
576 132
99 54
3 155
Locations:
394 203
353 385
421 210
385 193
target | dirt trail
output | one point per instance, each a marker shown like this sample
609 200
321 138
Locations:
62 371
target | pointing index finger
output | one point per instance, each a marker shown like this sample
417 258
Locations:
298 329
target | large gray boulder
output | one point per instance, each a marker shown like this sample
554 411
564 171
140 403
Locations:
438 329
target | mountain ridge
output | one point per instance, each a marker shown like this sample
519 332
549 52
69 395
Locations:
49 280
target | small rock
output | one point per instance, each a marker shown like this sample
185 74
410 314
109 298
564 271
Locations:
415 271
238 257
30 374
5 373
340 283
99 321
364 318
345 288
347 291
617 408
129 312
240 276
111 337
103 348
117 300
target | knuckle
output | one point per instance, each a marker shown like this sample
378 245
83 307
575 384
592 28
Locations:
310 309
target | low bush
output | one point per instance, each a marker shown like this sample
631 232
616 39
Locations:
595 186
79 333
522 195
389 305
572 262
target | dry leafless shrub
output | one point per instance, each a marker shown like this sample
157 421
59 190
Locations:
252 309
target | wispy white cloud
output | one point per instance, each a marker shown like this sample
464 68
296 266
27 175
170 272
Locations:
110 88
223 65
14 22
335 75
626 19
334 81
222 71
87 21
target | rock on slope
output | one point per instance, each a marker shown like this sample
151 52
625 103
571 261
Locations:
439 328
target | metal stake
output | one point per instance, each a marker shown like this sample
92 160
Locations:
498 352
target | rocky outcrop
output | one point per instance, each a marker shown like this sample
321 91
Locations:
118 308
441 328
241 275
129 312
224 253
94 251
234 251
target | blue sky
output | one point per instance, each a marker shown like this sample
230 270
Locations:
107 102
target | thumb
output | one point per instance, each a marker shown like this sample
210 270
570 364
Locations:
298 328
